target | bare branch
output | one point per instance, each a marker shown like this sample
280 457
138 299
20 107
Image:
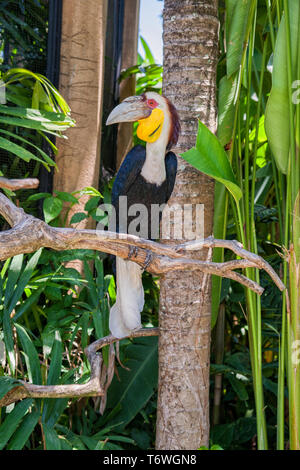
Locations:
15 184
90 389
29 234
238 249
102 342
93 388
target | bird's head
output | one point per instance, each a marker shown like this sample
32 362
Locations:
156 115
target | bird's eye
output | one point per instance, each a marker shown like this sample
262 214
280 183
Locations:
152 103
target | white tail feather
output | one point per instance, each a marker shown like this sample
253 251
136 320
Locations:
125 314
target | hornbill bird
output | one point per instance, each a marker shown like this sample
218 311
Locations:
146 176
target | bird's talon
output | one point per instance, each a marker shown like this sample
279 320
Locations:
148 260
132 252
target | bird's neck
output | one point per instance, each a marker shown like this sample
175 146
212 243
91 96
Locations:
154 169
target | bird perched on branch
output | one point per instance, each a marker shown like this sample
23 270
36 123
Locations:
145 178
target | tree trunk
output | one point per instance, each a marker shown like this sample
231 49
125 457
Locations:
190 58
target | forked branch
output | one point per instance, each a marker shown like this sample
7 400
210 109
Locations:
28 234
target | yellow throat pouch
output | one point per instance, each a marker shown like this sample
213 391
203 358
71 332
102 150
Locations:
149 129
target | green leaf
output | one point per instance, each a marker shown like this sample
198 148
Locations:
51 438
238 22
33 299
92 203
93 294
84 322
36 95
88 191
16 149
14 272
52 207
48 336
13 31
28 124
135 387
56 360
223 434
148 54
31 355
23 280
54 373
44 120
57 409
12 421
226 108
54 97
42 153
210 158
277 118
71 437
245 429
23 24
107 446
238 387
89 442
65 445
78 217
66 196
38 196
24 431
8 340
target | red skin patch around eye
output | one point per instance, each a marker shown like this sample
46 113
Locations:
152 103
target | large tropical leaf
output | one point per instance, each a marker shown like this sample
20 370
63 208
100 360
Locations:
11 422
238 21
34 119
23 280
31 355
134 388
28 154
39 107
277 119
226 108
53 442
210 158
24 431
148 54
54 98
54 373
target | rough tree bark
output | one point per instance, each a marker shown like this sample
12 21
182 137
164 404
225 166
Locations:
190 58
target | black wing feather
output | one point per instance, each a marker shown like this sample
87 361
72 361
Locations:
129 170
171 170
